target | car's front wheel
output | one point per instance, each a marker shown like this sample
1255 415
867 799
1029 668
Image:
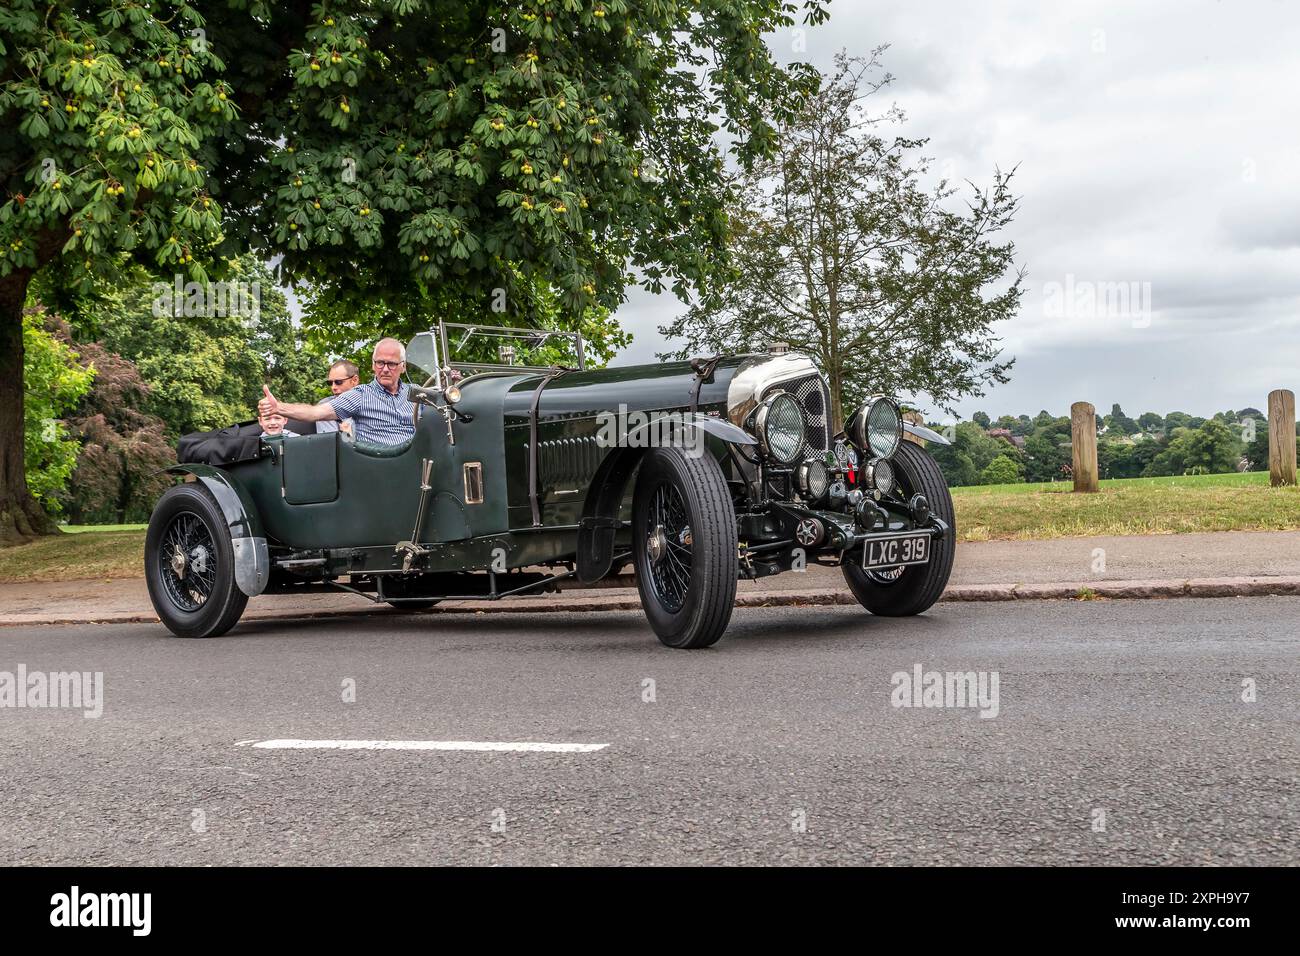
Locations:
190 564
911 589
684 547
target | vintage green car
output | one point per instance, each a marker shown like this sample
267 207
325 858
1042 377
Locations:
524 479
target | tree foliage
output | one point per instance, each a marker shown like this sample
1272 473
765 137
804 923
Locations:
54 383
204 370
399 142
336 324
1194 446
408 146
1002 470
122 447
1120 422
966 461
841 251
1211 449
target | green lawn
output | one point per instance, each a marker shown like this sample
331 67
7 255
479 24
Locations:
1236 502
1232 502
1248 479
85 553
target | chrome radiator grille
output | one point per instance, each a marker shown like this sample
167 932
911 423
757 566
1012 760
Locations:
811 394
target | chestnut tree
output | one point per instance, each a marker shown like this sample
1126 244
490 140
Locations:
377 147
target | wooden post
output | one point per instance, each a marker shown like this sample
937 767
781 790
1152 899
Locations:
1281 437
1083 441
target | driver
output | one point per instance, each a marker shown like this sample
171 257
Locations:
381 410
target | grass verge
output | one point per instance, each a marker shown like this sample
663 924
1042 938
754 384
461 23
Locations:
1237 502
63 557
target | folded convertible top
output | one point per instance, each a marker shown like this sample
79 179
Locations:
225 446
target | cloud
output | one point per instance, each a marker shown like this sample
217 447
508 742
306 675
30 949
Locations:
1156 144
1262 225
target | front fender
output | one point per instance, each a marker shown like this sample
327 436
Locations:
920 431
247 539
666 425
721 428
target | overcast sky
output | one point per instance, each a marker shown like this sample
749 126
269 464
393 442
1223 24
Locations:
1159 147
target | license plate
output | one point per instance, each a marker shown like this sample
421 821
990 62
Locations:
892 552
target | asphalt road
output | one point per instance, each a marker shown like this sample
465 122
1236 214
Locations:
780 745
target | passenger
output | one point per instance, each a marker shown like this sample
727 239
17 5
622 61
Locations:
344 376
381 410
273 425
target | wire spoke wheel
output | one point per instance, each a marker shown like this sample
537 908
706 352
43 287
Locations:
685 549
886 575
669 547
188 562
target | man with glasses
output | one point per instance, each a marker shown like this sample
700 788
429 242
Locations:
344 376
381 410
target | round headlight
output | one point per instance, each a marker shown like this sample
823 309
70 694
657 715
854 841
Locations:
779 423
813 479
882 475
877 427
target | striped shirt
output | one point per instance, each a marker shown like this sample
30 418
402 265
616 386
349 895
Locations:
377 415
326 424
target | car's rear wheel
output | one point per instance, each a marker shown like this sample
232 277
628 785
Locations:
684 547
189 564
907 590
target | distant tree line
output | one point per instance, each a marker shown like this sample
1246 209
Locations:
987 451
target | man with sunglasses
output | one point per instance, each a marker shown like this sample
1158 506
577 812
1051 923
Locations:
343 377
380 410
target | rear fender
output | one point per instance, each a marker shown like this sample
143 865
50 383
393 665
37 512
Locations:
252 557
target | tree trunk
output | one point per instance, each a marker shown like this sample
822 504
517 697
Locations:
21 516
123 488
835 383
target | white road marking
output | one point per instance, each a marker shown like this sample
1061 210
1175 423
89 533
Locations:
525 746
